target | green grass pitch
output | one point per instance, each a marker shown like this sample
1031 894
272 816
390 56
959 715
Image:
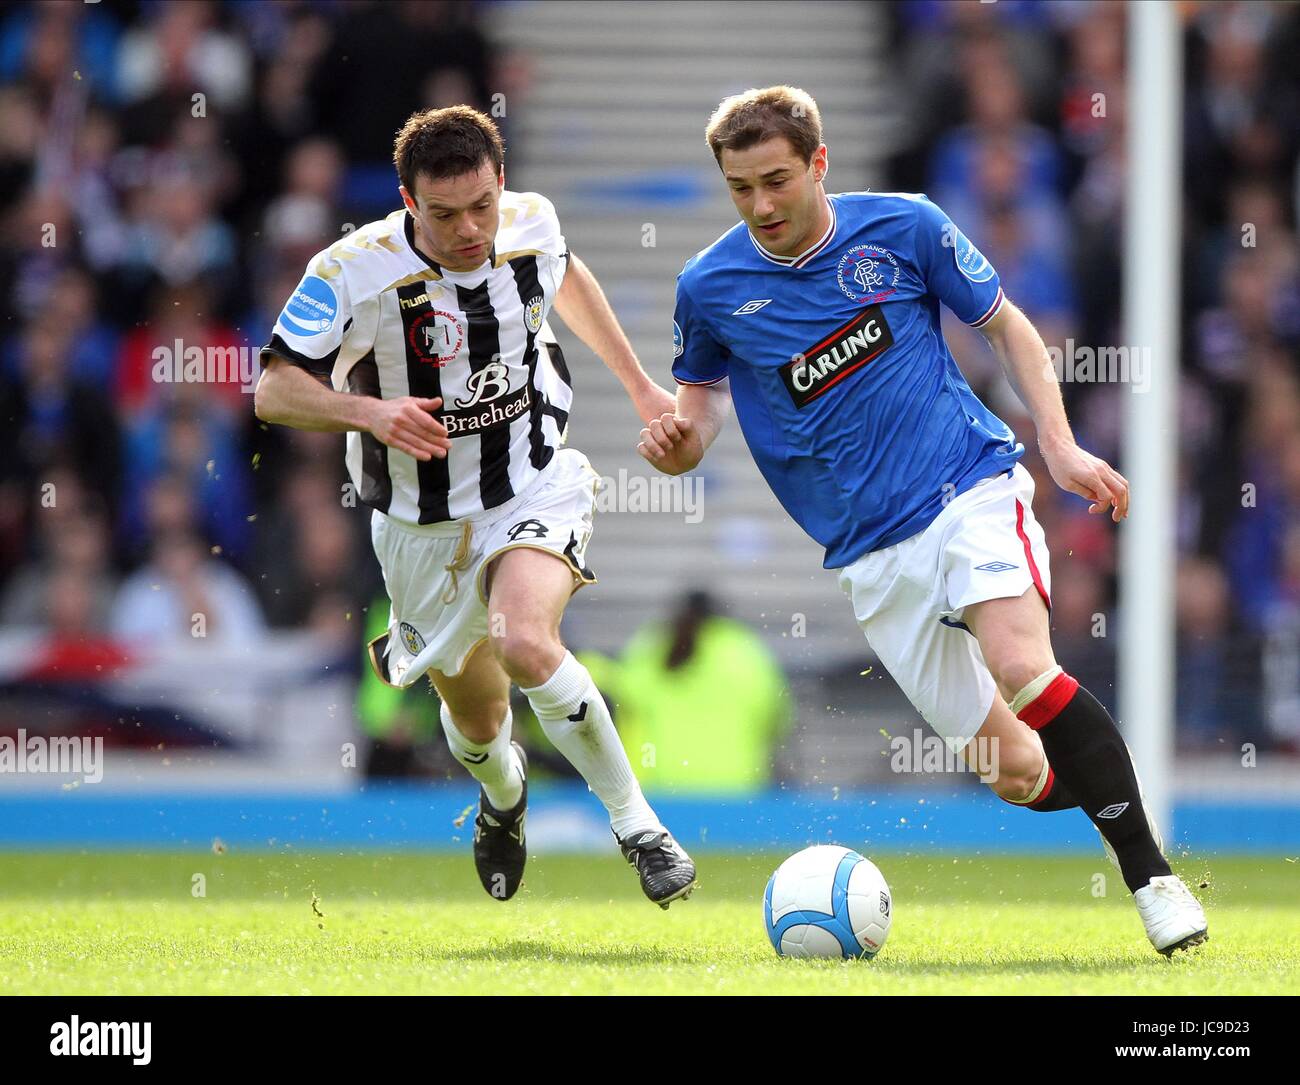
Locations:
404 922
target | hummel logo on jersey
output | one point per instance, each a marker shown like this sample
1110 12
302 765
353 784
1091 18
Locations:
1113 810
844 351
751 307
535 528
995 567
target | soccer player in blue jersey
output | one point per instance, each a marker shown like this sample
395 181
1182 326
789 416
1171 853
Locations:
818 317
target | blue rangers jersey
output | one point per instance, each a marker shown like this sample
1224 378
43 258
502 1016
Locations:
846 392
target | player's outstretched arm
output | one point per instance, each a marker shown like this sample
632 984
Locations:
582 306
1028 366
675 442
289 396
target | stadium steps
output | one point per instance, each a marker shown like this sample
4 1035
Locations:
611 129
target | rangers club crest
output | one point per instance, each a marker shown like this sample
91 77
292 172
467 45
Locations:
533 314
868 273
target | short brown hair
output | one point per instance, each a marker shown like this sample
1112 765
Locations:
756 115
446 143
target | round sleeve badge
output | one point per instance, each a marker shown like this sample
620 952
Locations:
970 261
312 309
679 344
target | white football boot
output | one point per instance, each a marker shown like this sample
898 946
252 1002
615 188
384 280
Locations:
1171 915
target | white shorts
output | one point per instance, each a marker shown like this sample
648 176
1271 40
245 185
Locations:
435 573
909 598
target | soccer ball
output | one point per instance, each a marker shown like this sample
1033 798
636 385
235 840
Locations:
827 901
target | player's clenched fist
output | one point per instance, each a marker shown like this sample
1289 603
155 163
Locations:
672 444
407 425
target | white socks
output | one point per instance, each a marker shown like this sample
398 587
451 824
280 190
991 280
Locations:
493 764
576 719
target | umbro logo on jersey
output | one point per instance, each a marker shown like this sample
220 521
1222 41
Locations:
1113 810
995 567
752 306
843 352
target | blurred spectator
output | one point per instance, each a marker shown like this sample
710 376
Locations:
47 417
181 326
200 449
686 729
180 52
79 562
72 306
1261 548
306 217
318 558
1213 674
183 592
177 237
20 134
40 43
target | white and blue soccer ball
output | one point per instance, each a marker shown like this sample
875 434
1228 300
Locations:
827 901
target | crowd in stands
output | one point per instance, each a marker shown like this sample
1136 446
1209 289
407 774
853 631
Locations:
166 170
1017 129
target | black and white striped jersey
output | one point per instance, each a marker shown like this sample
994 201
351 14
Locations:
376 317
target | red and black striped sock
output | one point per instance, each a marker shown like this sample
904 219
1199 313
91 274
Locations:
1087 752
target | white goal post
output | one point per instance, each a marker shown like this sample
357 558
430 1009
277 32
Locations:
1147 547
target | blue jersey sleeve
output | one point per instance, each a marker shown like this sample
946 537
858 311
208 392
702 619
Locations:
956 272
698 358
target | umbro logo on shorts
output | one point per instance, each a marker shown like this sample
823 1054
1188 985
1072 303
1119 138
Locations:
995 567
1113 810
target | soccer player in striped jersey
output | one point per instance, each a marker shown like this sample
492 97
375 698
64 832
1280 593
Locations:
424 337
818 317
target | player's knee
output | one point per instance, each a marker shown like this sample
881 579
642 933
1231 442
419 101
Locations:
529 653
1016 772
480 721
1015 670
